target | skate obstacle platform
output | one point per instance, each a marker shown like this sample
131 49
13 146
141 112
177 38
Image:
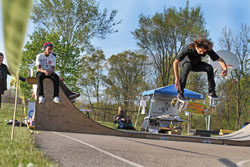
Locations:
66 117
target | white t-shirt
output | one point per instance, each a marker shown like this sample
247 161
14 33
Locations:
45 62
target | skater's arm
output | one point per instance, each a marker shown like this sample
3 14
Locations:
176 69
46 72
176 74
52 68
39 69
223 66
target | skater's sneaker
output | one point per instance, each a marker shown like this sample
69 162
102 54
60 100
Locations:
181 97
212 95
73 96
41 100
56 100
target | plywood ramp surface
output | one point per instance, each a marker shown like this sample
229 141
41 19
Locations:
240 135
65 117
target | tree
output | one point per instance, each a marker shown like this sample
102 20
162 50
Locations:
126 72
164 35
69 25
75 22
93 75
197 82
236 89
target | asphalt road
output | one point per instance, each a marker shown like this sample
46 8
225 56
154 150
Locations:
79 150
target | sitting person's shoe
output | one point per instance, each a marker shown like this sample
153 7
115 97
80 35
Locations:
41 99
73 96
212 95
56 100
181 97
73 100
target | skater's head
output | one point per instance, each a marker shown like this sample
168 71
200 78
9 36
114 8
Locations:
1 57
202 45
48 47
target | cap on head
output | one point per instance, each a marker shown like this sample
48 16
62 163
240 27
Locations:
47 44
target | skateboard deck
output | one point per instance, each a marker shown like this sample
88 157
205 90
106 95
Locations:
178 104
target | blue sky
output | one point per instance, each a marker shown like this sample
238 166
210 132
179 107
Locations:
217 13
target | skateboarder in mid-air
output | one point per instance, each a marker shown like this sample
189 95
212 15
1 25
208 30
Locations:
190 59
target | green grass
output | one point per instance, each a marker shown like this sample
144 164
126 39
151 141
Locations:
111 125
108 124
22 150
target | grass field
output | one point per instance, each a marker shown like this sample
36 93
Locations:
108 124
22 151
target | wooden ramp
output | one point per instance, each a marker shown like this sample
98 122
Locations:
65 117
240 137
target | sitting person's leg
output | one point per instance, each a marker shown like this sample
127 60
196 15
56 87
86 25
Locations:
71 95
55 78
40 77
66 91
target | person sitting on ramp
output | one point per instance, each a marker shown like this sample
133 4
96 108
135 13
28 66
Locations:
46 63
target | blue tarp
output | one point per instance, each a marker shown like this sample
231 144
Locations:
170 90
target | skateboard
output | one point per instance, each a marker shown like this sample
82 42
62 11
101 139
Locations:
178 104
213 101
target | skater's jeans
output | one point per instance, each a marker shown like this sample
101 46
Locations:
201 67
41 76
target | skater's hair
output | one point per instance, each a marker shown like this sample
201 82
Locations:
1 54
201 42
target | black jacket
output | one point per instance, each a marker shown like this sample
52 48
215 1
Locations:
3 78
190 55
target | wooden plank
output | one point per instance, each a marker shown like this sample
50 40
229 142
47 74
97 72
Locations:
31 80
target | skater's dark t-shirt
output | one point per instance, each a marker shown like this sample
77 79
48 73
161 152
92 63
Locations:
190 55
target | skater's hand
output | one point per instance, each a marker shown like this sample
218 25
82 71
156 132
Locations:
48 72
61 78
224 73
177 85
